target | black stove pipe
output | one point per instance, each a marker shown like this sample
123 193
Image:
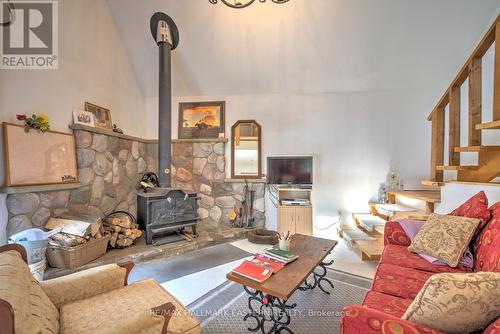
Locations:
166 36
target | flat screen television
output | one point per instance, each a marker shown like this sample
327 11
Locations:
290 170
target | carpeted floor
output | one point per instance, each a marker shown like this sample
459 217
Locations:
222 310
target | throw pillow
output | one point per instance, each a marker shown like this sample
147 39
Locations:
457 303
487 245
444 237
475 207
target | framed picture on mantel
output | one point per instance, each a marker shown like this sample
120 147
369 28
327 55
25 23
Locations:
204 120
35 158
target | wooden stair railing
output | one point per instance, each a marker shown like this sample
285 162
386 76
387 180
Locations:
488 167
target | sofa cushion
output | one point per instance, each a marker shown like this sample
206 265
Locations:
445 238
33 311
475 207
457 303
126 310
386 303
395 235
399 281
401 256
487 245
493 328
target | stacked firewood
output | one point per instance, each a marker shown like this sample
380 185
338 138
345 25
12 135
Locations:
74 232
122 229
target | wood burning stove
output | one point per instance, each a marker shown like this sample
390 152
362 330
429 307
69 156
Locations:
164 210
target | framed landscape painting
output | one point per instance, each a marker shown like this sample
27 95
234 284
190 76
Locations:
36 158
201 119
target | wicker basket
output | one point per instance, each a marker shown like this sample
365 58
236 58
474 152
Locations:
74 257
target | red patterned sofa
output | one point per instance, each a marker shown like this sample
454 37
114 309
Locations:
401 274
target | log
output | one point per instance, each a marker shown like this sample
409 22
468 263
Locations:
67 240
136 234
112 228
122 229
125 242
113 239
126 222
74 227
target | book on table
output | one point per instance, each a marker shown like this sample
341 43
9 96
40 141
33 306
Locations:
281 255
264 260
253 271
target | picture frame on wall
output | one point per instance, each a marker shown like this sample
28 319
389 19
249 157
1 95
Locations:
83 117
38 158
102 116
201 120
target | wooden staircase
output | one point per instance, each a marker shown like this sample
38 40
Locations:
488 162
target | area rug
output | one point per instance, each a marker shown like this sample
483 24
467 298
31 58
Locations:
222 310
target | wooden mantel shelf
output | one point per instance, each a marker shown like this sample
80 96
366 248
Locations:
39 188
199 140
110 133
147 141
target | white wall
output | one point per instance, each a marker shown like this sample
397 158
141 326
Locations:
93 66
346 134
455 194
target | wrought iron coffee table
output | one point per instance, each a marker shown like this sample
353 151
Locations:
268 301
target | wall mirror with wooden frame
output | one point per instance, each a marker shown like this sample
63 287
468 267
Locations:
246 143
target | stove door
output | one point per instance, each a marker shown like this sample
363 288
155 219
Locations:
162 212
187 208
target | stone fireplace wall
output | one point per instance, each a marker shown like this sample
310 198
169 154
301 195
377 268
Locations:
110 168
201 167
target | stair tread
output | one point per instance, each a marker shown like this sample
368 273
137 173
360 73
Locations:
457 167
492 183
431 183
477 148
488 125
430 196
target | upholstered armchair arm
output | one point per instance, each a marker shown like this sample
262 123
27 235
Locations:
361 319
395 235
86 283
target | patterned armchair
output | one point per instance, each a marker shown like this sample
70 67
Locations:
97 300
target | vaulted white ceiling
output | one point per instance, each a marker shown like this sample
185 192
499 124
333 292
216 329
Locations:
304 46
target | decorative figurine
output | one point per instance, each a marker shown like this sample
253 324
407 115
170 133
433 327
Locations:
116 129
382 194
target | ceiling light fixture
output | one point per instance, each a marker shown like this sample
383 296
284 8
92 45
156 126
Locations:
242 3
